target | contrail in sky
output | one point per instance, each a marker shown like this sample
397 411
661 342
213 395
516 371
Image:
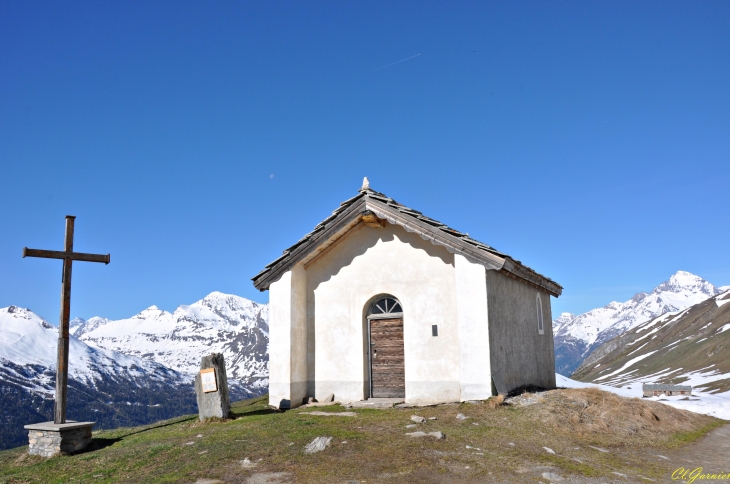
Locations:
398 62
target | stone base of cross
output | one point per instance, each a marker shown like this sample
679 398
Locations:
48 439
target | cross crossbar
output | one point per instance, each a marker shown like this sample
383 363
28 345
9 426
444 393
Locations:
58 254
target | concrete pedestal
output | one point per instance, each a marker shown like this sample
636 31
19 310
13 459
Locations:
48 439
213 403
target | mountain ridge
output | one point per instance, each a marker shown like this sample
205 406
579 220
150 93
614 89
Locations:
576 337
691 346
219 322
131 371
110 388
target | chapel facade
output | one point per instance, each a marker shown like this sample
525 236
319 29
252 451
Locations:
380 301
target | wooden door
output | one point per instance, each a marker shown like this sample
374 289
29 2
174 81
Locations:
387 362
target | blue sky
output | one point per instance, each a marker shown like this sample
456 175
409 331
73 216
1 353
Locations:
195 141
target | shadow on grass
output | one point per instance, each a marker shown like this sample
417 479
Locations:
153 428
98 443
263 411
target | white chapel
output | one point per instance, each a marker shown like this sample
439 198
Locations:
381 301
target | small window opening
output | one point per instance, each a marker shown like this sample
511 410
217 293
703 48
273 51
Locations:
386 305
540 325
434 330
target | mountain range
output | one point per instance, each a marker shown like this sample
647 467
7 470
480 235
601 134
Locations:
130 371
576 337
218 323
690 347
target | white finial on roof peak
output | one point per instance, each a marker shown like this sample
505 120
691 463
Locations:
365 184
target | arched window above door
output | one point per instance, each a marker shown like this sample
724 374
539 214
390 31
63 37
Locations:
386 306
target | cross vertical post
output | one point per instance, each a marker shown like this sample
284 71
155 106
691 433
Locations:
59 413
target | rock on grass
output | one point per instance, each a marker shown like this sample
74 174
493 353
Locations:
247 464
552 477
317 445
437 435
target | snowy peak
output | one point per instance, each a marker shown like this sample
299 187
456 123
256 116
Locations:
79 326
563 319
12 315
152 312
234 309
685 282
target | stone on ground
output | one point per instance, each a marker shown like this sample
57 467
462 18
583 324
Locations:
461 416
437 435
317 445
417 419
549 450
247 464
552 477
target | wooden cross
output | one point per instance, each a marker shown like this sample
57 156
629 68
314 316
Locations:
68 256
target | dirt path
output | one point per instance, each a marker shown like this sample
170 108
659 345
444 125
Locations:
712 452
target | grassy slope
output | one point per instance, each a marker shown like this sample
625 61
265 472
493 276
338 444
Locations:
376 447
700 347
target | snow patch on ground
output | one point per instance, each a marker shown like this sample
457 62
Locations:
627 365
716 405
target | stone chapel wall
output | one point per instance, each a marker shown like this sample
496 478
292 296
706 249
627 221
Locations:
519 354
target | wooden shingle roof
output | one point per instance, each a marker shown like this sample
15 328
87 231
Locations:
350 214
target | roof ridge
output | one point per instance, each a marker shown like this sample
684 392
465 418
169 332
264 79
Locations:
367 192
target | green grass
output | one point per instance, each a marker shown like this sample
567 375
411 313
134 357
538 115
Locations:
683 438
376 450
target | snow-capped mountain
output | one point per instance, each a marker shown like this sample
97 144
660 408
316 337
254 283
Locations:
689 347
105 386
577 336
27 339
218 323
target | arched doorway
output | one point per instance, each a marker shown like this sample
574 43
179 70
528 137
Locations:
385 341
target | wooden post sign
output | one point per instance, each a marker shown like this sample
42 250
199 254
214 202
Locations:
207 378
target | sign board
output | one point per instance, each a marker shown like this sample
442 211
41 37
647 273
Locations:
207 378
